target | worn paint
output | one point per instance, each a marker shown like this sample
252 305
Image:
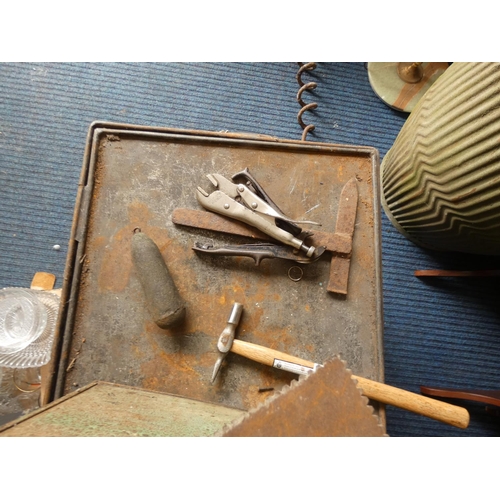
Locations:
108 410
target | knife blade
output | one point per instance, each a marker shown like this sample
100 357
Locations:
344 229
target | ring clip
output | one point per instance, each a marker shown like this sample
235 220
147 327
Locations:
295 273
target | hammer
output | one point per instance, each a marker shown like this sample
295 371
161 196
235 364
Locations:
421 405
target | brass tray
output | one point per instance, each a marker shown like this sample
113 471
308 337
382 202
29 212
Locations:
135 176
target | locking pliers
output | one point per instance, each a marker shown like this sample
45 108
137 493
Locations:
240 202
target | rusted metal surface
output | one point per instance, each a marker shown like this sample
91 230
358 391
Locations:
136 177
323 404
339 275
346 215
110 410
344 230
215 222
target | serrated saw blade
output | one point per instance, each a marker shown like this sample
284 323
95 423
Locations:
326 403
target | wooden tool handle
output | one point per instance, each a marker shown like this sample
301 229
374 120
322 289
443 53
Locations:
421 405
265 355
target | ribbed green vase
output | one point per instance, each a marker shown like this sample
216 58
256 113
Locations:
441 178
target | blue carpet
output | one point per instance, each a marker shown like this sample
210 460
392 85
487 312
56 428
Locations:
438 332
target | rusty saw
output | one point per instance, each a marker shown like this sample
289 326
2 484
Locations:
325 403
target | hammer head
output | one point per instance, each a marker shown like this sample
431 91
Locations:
226 338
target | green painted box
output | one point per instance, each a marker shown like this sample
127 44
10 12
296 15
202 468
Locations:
103 409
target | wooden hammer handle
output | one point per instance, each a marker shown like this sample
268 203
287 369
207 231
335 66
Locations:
421 405
265 355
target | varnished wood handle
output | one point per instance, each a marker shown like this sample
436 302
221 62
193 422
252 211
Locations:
265 355
421 405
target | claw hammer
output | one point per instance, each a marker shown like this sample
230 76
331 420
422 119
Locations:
377 391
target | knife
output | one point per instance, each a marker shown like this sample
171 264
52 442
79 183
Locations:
344 229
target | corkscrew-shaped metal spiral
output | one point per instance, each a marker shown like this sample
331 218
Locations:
305 107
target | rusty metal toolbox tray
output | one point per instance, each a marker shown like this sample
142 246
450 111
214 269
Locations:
135 176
